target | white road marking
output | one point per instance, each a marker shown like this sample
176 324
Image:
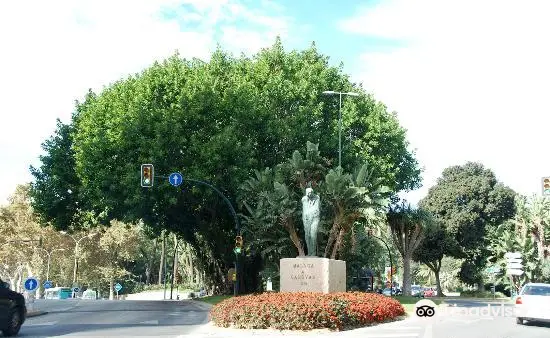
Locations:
40 324
150 322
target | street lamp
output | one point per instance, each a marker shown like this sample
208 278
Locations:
331 92
49 254
76 247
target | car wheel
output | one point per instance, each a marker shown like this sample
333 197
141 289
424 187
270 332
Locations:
519 321
14 323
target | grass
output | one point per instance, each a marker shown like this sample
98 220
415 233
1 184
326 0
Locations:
213 300
408 302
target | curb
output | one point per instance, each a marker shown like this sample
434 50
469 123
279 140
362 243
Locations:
36 314
202 305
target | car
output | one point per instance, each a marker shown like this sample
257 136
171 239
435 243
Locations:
533 303
416 291
13 310
428 292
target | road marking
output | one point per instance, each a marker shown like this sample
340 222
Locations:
401 328
150 322
390 335
40 324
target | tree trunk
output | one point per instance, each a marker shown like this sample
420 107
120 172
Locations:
438 282
407 275
294 237
150 261
162 253
111 288
337 245
332 237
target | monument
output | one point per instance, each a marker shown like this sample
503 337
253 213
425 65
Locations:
311 273
311 215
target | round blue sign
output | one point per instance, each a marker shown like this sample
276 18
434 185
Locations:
31 284
48 284
175 179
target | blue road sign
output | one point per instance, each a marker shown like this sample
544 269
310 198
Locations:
118 287
48 284
31 284
175 179
76 289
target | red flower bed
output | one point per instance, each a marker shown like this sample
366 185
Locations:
305 310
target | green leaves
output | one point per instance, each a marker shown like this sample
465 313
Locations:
469 202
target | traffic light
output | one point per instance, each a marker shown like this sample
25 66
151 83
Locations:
238 244
546 186
147 175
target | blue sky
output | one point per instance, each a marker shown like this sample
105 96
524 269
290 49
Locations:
469 79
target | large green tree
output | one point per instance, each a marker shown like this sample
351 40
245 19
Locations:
55 192
469 202
219 121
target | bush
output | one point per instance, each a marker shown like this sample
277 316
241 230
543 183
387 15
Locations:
305 310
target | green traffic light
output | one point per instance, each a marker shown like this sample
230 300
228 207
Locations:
237 250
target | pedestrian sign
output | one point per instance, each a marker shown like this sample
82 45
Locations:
118 287
31 284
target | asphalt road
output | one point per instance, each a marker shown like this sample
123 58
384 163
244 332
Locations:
468 319
102 318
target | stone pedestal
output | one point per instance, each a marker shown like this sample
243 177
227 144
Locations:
313 274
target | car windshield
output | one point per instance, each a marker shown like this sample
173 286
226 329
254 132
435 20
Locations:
536 290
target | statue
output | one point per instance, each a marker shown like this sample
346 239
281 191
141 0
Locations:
311 214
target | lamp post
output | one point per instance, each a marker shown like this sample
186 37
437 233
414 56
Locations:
76 247
49 254
391 260
331 92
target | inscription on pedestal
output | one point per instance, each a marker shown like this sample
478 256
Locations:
303 273
314 274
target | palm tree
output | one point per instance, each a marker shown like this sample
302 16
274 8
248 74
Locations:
408 228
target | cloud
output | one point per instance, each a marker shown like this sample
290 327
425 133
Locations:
53 51
470 83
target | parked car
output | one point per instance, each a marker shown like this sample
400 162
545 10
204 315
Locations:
13 310
429 292
533 303
416 290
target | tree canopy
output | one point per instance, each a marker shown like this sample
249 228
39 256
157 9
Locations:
469 202
217 121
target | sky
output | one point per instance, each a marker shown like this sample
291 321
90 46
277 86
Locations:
469 79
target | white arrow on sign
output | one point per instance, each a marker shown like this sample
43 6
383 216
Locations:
514 266
512 255
514 272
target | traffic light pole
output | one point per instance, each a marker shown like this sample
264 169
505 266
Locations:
236 289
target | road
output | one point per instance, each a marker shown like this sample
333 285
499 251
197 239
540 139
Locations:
468 319
103 318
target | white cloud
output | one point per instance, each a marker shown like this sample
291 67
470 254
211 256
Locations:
470 83
53 51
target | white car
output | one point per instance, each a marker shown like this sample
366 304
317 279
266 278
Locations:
533 303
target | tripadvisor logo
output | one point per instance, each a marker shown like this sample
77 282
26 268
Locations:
425 309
